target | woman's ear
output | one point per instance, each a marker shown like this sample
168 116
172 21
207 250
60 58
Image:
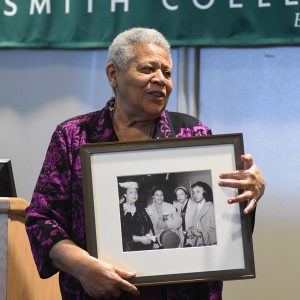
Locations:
111 74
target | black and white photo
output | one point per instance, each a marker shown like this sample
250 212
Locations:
179 207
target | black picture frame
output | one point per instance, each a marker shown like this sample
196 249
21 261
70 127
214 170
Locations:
7 182
104 165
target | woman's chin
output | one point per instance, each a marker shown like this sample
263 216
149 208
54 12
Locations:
155 109
159 101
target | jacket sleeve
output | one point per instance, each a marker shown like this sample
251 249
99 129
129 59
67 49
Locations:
50 208
210 228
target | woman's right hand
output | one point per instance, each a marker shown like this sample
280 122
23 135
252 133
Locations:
99 279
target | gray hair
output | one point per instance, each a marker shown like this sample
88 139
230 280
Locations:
121 50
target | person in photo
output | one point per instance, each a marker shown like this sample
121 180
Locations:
203 229
163 216
136 226
186 208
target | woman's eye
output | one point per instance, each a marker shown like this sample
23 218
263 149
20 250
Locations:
147 70
167 74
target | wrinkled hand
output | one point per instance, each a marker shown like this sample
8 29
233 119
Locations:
250 180
100 279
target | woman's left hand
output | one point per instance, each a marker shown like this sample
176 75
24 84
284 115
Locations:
250 180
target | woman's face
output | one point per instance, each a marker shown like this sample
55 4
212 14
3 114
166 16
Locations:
198 193
181 195
131 195
158 197
143 88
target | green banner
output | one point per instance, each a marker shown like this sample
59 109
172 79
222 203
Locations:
94 23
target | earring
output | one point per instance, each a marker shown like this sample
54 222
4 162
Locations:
114 90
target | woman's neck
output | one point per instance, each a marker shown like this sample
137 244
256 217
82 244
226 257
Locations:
127 129
183 203
158 205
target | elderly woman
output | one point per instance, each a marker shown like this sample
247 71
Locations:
137 229
203 229
162 214
139 71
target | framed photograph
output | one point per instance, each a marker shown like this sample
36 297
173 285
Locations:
155 207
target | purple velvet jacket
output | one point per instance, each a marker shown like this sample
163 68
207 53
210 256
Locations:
56 211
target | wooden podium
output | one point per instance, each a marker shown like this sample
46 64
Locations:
19 278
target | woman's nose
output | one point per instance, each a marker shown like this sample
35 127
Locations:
159 78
